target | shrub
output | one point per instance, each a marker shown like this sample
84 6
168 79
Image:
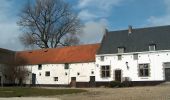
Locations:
114 84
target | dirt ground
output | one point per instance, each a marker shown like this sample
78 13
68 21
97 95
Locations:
132 93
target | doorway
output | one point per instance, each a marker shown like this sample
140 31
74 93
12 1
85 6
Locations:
118 75
73 82
92 82
167 74
33 79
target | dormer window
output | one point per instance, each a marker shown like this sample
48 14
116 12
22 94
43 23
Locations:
152 47
121 49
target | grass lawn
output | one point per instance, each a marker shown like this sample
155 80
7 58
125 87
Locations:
26 92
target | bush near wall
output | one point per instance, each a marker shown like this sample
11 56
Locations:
120 84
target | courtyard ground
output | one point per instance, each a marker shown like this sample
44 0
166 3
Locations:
131 93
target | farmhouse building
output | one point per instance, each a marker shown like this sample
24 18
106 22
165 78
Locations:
64 66
141 56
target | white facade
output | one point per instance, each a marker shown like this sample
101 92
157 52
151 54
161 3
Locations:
61 76
130 67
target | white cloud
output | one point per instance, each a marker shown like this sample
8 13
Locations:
162 20
86 15
93 31
95 14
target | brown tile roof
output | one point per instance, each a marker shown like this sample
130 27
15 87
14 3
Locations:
72 54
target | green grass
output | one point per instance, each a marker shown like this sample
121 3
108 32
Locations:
26 92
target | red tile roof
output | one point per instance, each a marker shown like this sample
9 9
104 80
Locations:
72 54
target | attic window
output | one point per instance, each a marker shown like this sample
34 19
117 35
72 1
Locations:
121 49
102 58
66 66
39 67
152 47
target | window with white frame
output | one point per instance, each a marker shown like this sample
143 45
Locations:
102 58
144 70
105 71
135 56
47 73
55 78
66 66
119 57
40 67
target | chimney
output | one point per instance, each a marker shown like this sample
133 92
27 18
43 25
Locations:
130 29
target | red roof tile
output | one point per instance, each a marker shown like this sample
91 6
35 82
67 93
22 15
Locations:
72 54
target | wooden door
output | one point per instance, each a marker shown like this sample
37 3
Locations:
167 74
118 75
92 82
33 79
73 82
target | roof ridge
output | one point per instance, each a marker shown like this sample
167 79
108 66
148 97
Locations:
41 49
140 28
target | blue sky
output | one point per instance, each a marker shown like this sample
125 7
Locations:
96 15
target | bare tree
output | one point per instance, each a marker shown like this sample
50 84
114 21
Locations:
47 22
15 72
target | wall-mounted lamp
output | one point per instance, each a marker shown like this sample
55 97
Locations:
127 65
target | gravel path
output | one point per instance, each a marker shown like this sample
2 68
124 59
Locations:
132 93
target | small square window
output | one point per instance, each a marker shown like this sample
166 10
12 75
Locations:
119 57
47 73
135 56
39 67
55 78
66 66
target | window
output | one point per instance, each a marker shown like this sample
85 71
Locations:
121 50
152 47
47 73
78 73
135 56
66 66
143 70
119 57
102 58
55 78
39 67
105 71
